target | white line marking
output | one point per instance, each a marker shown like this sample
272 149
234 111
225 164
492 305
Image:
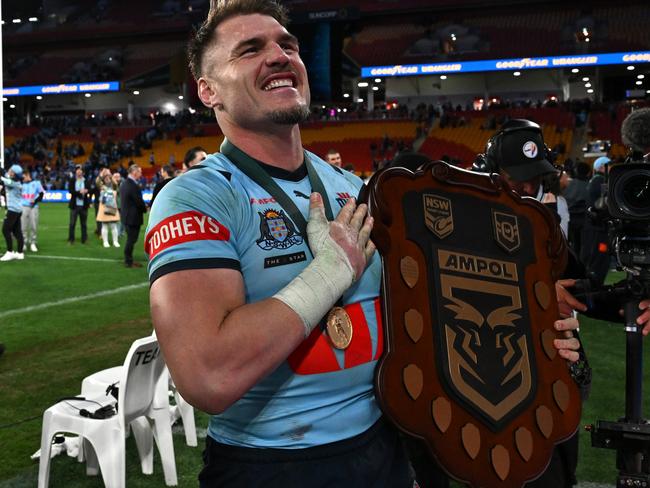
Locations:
72 300
71 258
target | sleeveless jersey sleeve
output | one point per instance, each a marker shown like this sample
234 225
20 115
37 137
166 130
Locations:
193 225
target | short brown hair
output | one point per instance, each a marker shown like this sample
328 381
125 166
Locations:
190 155
221 10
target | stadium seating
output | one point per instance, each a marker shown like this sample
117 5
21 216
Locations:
353 139
464 142
503 34
104 438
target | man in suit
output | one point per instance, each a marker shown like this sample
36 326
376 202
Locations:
80 194
132 208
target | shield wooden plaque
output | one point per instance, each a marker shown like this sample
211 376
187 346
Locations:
469 310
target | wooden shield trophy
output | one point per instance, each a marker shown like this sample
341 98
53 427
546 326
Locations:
469 306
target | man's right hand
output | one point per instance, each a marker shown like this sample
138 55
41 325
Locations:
349 231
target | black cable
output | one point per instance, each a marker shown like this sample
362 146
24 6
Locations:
13 424
79 399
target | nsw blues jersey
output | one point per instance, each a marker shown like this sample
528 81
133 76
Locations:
30 191
214 216
13 190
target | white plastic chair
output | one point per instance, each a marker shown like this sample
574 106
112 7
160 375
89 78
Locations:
104 439
98 382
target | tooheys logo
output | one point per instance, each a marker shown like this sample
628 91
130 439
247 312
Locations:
183 227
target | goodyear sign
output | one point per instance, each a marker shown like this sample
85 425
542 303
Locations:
570 61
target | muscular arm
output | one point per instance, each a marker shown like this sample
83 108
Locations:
216 346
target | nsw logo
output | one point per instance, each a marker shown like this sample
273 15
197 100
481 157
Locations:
438 216
277 231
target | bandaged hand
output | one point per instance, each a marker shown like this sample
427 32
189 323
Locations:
341 249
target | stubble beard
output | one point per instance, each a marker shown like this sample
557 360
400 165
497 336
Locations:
291 116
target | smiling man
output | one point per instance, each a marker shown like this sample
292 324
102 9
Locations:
247 273
266 303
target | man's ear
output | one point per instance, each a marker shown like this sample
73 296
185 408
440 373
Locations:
207 93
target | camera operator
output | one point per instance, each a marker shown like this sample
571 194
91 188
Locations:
635 133
518 153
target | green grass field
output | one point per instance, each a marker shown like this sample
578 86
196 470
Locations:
52 345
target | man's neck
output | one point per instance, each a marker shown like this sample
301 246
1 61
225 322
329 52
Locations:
282 149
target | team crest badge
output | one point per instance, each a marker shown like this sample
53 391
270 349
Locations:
506 230
437 215
277 231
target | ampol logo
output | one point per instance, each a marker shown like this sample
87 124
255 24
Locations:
530 149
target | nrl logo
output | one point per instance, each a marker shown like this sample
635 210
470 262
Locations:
506 230
484 341
437 215
277 231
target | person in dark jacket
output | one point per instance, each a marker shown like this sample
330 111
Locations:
132 209
80 194
166 174
594 232
577 195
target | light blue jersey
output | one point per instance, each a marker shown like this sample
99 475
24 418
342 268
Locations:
214 216
13 191
30 191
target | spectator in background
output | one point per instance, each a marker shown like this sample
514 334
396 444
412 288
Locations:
410 160
333 157
32 193
577 195
108 214
594 232
193 157
117 182
79 189
11 224
133 208
98 185
166 175
551 185
117 179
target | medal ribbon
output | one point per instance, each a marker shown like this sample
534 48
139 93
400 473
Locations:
255 172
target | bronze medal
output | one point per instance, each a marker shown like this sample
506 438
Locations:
339 328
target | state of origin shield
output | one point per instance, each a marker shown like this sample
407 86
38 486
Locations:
469 306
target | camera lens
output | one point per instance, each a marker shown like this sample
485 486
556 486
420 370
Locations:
632 193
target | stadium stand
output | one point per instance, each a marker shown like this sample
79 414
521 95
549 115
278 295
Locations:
505 33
